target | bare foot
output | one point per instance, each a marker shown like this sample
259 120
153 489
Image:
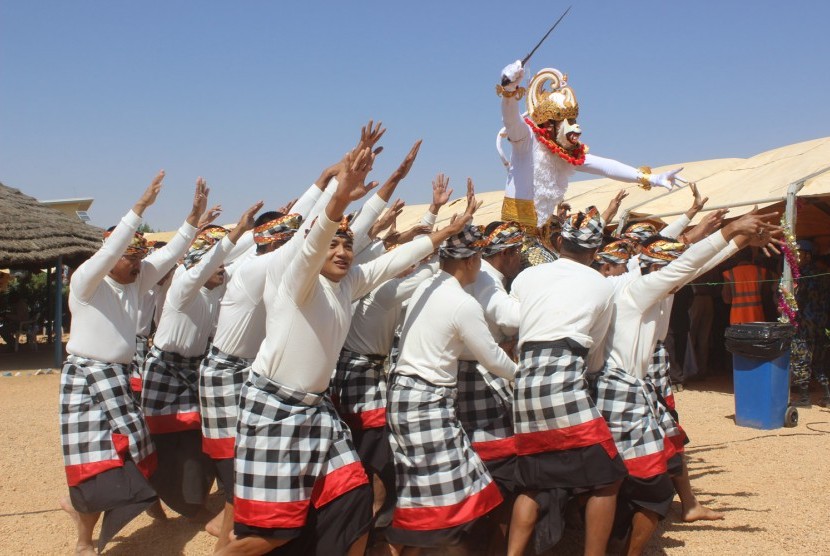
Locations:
700 512
214 526
156 511
66 505
85 550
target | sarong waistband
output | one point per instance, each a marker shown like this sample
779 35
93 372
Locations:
564 343
417 383
227 358
283 392
373 357
88 362
172 357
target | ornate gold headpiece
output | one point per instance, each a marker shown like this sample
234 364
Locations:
558 102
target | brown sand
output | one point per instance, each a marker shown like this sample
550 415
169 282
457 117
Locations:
772 485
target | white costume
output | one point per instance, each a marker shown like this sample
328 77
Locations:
541 164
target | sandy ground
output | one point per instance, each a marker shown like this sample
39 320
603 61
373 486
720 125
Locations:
771 484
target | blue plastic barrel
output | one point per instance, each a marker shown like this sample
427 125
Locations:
761 391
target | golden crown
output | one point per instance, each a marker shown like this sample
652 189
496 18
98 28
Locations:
550 98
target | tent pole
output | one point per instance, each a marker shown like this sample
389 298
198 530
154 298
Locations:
790 213
59 313
708 208
49 321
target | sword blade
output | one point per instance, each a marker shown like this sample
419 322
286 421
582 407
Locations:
526 58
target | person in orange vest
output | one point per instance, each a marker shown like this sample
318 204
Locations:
745 289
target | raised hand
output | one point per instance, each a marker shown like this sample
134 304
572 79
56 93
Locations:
562 210
441 193
370 134
513 75
210 216
613 206
200 199
149 195
246 222
286 208
709 224
472 204
698 202
351 186
386 190
387 219
754 227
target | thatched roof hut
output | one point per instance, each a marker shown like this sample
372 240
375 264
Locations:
33 235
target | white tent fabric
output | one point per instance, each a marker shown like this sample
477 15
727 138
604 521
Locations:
761 179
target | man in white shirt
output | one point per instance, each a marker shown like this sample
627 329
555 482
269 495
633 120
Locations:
359 383
239 331
293 453
563 443
443 486
625 396
170 393
485 401
107 450
146 316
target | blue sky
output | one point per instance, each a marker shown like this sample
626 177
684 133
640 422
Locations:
96 96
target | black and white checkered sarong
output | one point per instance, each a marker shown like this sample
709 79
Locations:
292 450
658 376
220 379
552 407
359 385
137 367
630 409
441 481
170 392
101 422
485 410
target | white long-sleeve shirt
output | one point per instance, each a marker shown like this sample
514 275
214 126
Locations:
501 311
146 310
441 320
633 333
104 312
564 299
377 313
666 304
309 316
240 328
190 309
245 248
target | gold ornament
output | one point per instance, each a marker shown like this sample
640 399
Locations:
558 102
645 177
518 92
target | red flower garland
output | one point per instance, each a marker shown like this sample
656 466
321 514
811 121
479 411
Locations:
575 157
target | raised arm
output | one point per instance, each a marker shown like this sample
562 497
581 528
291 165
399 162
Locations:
517 131
613 206
88 276
751 228
623 172
160 262
300 277
188 283
365 218
366 277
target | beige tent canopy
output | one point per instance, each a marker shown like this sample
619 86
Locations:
763 179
